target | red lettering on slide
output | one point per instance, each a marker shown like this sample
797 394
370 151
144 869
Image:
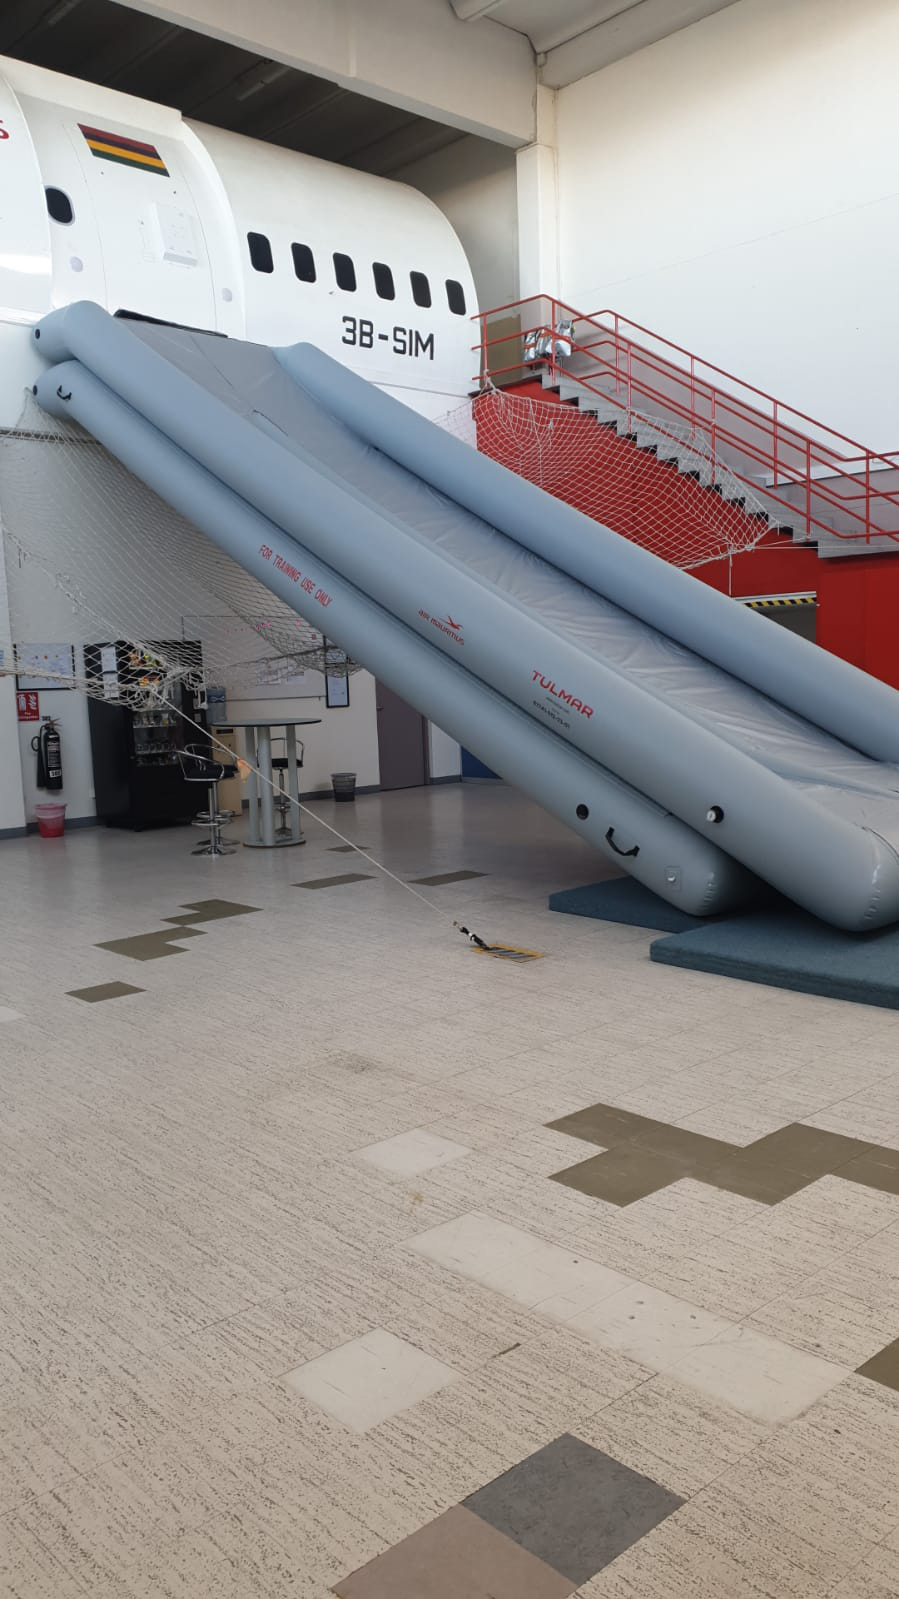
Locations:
306 583
561 694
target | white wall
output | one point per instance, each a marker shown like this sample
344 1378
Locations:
346 740
65 515
473 182
68 707
12 814
444 754
736 188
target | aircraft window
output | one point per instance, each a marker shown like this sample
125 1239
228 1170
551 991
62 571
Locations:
455 297
260 252
344 272
59 206
383 280
421 288
303 262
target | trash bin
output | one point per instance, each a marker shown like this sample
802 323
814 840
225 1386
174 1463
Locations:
344 786
51 820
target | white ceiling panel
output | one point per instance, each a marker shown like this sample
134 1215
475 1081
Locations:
572 38
546 22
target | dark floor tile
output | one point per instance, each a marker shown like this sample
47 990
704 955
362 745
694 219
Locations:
603 1124
623 1175
884 1366
811 1151
216 910
458 1556
447 877
104 991
151 946
879 1168
755 1180
336 882
573 1507
681 1144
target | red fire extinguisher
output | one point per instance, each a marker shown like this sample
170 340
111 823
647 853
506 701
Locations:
49 756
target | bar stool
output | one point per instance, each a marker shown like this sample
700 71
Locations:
282 798
199 767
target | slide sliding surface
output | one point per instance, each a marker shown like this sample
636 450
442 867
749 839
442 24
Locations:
701 753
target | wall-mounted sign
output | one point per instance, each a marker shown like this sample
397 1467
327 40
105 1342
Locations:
45 666
28 706
337 678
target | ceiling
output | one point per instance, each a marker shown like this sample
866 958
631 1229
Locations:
546 22
572 38
216 82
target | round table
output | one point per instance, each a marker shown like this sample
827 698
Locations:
258 754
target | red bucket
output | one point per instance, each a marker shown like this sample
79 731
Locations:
51 820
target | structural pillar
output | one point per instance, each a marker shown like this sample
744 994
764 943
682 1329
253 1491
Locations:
538 204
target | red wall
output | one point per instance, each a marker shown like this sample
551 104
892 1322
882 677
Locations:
858 607
858 598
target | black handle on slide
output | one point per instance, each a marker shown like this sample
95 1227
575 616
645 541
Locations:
610 840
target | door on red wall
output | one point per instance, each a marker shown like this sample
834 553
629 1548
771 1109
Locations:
402 741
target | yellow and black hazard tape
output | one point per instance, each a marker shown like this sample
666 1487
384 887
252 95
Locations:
507 952
775 601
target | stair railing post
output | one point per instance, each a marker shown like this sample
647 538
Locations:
808 488
692 399
775 424
867 496
617 337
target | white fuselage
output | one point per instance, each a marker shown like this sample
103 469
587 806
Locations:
173 220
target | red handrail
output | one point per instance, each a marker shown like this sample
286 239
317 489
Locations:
761 434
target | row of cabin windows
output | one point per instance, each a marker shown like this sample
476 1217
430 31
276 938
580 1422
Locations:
262 260
60 209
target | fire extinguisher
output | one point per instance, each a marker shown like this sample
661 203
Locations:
49 756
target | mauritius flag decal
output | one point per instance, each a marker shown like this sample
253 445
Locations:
127 152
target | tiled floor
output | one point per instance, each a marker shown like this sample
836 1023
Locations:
293 1301
370 1379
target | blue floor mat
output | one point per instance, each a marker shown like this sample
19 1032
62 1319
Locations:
622 899
786 948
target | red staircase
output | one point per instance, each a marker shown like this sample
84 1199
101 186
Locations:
802 477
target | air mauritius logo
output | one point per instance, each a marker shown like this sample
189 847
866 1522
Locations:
447 625
561 694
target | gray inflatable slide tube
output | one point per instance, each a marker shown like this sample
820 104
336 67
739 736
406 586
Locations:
690 741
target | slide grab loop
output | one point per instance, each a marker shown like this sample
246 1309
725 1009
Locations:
610 840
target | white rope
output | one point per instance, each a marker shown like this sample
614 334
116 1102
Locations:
336 833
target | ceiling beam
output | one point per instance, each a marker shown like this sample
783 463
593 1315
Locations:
470 10
620 36
413 54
